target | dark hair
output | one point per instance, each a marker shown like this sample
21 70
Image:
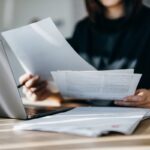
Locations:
94 7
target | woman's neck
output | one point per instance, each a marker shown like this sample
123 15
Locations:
115 12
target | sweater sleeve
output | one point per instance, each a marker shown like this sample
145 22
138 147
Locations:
75 40
143 67
79 40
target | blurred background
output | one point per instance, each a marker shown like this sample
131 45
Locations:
65 14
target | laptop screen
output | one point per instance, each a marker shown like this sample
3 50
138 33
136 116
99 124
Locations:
10 100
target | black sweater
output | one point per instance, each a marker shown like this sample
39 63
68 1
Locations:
116 44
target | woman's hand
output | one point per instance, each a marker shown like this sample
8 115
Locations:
140 99
34 88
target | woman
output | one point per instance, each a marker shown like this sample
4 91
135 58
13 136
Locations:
115 35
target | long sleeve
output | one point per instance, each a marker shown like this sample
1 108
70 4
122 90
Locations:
143 66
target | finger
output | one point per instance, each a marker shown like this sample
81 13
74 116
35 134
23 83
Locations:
140 90
34 81
24 78
42 85
134 99
42 94
36 96
147 105
27 92
131 103
24 90
141 93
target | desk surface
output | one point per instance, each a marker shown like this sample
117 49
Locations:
27 140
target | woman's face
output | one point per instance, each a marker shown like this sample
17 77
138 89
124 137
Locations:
110 3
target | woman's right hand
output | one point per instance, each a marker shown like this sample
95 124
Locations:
34 88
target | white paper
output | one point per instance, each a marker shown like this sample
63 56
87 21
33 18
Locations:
40 48
89 121
118 71
103 85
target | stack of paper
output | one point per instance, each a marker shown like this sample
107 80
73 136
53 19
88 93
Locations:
89 121
103 85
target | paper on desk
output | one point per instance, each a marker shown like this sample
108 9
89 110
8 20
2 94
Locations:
103 85
89 121
40 48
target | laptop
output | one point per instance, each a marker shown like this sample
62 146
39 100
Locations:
11 105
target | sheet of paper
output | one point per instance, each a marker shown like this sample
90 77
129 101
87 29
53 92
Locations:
118 71
89 121
40 48
60 77
103 85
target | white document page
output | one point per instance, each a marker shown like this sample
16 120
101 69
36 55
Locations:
118 71
103 85
41 48
89 121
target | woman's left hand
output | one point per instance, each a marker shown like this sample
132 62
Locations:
140 99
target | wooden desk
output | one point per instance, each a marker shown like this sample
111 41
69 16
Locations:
26 140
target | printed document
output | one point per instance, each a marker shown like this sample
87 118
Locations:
100 85
41 48
89 121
